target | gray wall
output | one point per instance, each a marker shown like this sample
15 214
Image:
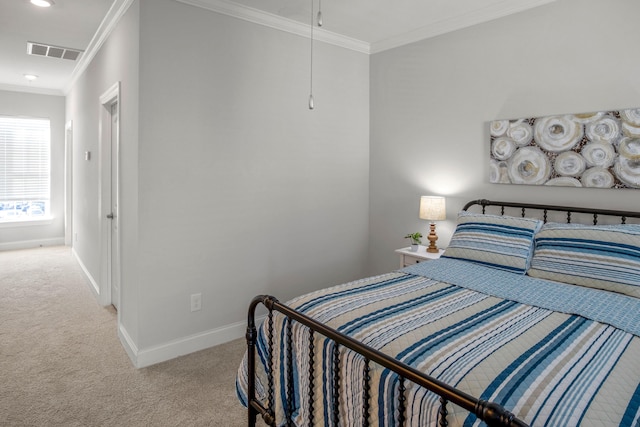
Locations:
231 187
52 232
243 190
116 61
431 103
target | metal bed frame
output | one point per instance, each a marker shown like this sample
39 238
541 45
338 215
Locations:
491 413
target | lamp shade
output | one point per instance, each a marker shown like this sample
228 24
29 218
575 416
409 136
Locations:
433 208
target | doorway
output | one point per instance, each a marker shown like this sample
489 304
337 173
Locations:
68 184
110 288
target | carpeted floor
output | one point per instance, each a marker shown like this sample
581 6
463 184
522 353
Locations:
61 363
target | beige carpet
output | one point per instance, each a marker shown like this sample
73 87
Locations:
61 363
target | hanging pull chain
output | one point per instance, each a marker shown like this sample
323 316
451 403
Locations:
311 64
319 13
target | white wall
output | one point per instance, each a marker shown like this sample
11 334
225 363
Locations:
431 103
19 236
116 61
243 190
231 187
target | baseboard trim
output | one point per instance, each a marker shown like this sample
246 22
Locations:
128 344
180 347
30 244
142 358
93 285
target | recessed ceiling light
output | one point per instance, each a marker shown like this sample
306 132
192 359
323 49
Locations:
42 3
30 77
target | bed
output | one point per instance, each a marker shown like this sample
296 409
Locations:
531 317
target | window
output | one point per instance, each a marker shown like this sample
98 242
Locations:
25 168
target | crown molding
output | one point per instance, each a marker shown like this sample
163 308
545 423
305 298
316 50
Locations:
229 8
30 89
498 10
270 20
108 24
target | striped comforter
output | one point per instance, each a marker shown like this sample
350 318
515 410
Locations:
554 354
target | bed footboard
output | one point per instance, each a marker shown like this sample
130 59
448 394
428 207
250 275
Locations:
491 413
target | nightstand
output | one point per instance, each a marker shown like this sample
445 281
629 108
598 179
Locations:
408 257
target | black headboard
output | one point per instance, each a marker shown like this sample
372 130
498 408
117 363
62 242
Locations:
545 210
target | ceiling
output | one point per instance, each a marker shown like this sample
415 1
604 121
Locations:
81 24
68 23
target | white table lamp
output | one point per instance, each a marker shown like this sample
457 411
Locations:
433 208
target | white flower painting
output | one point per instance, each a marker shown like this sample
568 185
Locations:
599 150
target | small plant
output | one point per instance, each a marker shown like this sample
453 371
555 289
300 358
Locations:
416 238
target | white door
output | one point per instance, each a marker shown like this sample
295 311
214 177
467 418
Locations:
114 243
110 278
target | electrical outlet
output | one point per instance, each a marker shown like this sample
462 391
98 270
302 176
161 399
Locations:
196 302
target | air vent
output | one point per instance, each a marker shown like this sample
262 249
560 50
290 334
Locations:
42 49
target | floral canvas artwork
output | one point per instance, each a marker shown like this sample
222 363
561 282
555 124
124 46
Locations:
600 149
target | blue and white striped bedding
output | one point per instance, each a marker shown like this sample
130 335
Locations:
554 354
499 241
596 256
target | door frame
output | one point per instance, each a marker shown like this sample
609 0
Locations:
107 99
68 183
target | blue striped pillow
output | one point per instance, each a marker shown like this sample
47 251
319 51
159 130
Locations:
596 256
500 241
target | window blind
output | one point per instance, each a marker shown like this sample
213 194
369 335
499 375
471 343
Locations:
25 147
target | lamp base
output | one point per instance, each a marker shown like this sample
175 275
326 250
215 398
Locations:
432 237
